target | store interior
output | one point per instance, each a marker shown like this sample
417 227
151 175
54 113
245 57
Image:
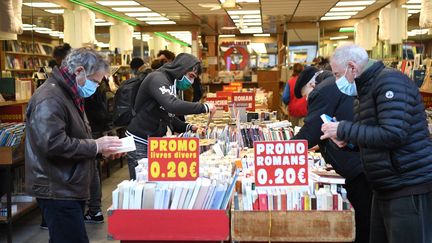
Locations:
251 42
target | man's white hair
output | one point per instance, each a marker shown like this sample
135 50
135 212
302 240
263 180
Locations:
350 52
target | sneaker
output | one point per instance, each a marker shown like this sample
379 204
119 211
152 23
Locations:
43 225
94 219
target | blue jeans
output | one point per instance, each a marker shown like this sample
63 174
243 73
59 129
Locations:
402 220
134 156
65 220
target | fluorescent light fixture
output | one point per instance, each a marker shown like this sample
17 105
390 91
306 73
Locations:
56 33
100 20
411 6
243 12
132 9
55 11
347 9
118 3
340 13
247 20
42 5
250 16
102 45
229 28
226 36
414 1
28 25
354 3
418 32
172 39
144 14
160 22
249 24
413 11
339 37
251 30
153 19
104 24
28 28
347 29
261 35
335 17
41 29
243 1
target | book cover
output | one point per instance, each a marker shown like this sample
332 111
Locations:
148 196
195 193
202 193
263 206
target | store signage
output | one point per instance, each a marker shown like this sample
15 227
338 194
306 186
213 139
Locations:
244 99
236 43
221 103
13 113
236 84
230 88
281 163
173 159
224 94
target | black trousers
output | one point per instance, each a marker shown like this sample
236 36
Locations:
65 220
402 220
359 194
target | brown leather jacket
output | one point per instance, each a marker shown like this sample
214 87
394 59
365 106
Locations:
59 149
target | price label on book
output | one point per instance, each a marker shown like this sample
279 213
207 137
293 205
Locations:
281 163
245 99
173 159
221 103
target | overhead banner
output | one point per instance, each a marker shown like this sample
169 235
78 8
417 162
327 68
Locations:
281 163
244 99
173 159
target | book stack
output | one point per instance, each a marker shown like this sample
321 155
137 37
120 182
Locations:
203 194
11 134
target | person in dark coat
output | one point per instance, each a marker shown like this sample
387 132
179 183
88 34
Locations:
391 130
325 98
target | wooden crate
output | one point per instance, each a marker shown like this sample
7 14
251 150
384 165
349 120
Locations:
9 155
293 226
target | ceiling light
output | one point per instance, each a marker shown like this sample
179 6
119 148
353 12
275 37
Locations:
347 9
243 1
104 24
418 32
247 20
413 11
354 3
243 12
28 25
347 29
160 22
250 16
229 28
414 1
249 24
42 5
99 20
136 9
251 30
335 17
153 19
226 36
340 13
339 37
118 3
262 35
145 14
55 11
411 6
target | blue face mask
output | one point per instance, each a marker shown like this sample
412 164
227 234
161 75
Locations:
184 83
346 86
88 89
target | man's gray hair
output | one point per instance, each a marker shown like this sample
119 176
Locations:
91 60
350 52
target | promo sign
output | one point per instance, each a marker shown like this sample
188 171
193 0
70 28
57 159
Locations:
281 163
173 159
245 99
224 94
230 88
221 103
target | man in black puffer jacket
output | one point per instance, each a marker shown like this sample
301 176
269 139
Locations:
391 131
325 98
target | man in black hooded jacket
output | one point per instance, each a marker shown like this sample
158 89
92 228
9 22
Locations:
391 131
157 104
325 98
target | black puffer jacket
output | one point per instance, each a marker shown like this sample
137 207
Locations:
327 99
391 130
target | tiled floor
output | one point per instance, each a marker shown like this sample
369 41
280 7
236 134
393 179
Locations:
26 229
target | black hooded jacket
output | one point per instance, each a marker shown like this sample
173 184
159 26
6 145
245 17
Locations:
157 104
391 131
327 99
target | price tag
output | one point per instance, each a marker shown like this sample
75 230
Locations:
245 99
173 159
221 103
281 163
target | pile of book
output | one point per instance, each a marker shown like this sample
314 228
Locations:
11 134
203 193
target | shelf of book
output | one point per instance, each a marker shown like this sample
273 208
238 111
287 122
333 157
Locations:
168 225
22 209
21 70
14 102
293 226
27 54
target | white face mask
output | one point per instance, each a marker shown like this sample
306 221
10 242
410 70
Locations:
346 86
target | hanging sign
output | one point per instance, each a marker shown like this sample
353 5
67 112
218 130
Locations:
173 159
281 163
244 99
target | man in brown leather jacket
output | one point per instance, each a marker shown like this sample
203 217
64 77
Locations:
60 151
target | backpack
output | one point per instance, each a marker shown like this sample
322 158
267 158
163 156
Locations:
124 100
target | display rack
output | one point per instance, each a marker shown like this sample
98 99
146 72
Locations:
168 225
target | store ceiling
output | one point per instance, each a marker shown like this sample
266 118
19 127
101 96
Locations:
189 15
